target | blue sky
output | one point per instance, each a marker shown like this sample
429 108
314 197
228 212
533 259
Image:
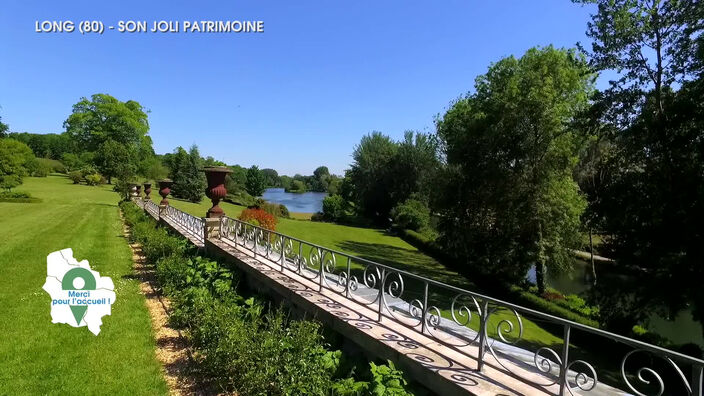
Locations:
299 95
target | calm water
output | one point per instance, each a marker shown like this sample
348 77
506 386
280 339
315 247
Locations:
308 202
680 329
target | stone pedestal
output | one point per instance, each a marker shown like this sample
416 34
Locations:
162 211
211 228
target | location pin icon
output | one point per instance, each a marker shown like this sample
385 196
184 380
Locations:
67 283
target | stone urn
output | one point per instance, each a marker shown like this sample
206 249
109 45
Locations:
139 190
133 190
165 190
147 191
216 188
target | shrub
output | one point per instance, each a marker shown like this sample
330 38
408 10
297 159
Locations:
94 179
411 214
39 167
273 209
259 218
318 217
17 196
75 176
334 207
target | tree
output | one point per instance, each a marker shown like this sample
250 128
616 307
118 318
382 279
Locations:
187 174
370 174
650 43
414 167
509 200
153 169
255 183
103 117
111 157
14 158
271 177
3 129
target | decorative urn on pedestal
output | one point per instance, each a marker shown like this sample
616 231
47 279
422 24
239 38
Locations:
216 188
165 190
139 190
133 190
147 190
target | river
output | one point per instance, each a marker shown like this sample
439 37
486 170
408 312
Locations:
307 202
681 329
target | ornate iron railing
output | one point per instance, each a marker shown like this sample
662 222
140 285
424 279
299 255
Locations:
193 225
464 319
151 208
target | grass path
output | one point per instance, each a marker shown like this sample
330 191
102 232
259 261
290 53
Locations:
38 357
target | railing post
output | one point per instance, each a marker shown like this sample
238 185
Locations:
483 319
283 252
347 285
698 380
256 234
162 212
381 292
321 273
565 359
424 314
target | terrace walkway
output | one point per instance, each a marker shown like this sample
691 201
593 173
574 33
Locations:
438 334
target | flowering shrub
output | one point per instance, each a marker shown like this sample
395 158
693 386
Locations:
260 218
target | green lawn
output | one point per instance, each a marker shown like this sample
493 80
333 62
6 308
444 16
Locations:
38 357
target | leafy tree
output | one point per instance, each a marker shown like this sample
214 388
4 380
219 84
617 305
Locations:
412 214
414 166
103 117
297 186
153 169
256 182
509 200
49 145
271 177
333 207
15 157
3 129
111 157
187 173
370 174
650 43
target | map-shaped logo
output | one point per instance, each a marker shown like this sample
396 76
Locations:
79 296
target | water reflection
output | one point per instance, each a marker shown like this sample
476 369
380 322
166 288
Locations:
680 330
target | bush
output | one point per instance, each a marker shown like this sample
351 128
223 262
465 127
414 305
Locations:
17 196
240 198
75 176
38 167
411 214
94 179
273 209
259 218
334 207
318 217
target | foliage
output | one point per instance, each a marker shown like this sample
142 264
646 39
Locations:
93 179
650 44
113 158
75 176
74 162
47 145
508 199
3 129
411 214
273 209
385 173
333 207
259 218
18 197
271 177
153 169
103 118
297 186
255 184
38 168
15 157
187 174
